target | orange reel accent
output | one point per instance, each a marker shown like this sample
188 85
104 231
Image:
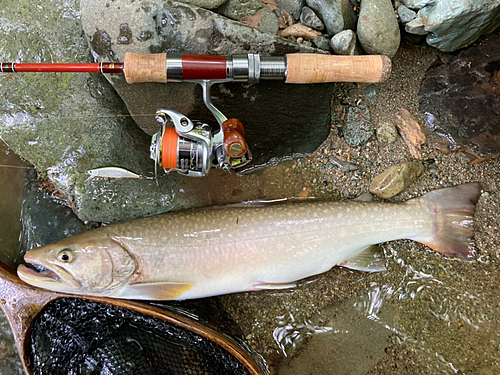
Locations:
234 141
169 149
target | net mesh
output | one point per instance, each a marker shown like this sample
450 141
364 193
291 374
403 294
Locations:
74 336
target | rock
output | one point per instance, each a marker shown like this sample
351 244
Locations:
406 15
371 92
344 43
358 128
418 4
200 31
300 30
449 28
387 132
207 4
330 13
290 6
45 220
237 9
378 28
396 179
322 43
264 20
461 99
310 19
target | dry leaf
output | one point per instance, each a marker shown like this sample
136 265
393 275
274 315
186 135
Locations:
411 133
305 193
298 30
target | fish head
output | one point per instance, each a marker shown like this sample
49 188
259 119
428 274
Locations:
89 263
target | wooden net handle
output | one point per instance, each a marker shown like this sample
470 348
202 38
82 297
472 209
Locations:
315 68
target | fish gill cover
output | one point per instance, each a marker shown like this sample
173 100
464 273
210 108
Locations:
73 336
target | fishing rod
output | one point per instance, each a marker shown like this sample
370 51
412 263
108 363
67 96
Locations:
192 147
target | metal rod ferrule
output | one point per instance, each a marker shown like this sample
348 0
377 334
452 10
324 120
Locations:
174 67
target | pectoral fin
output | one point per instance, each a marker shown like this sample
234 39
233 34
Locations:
369 260
155 291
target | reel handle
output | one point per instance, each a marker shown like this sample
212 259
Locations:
234 141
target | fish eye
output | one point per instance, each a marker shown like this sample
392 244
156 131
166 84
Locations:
65 255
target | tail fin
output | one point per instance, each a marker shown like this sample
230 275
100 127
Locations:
453 210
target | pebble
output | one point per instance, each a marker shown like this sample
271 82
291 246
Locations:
207 4
300 30
358 128
236 9
290 6
406 15
309 18
387 132
330 13
344 43
265 20
396 179
322 42
371 92
342 165
378 28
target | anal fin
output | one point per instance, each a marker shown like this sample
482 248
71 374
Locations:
370 259
155 291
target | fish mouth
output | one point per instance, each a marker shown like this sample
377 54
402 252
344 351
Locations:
50 277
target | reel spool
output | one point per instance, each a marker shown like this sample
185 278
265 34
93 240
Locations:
193 148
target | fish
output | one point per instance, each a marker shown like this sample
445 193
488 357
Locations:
236 248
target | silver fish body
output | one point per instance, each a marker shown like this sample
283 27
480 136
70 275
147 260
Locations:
212 251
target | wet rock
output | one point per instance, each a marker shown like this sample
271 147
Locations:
309 18
44 219
449 28
344 43
461 99
264 20
290 6
237 9
378 28
322 43
182 28
330 13
51 119
396 179
371 92
207 4
387 132
406 15
358 128
299 30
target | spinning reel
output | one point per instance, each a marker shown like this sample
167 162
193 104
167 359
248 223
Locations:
192 148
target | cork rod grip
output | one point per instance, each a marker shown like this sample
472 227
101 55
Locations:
314 68
139 67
